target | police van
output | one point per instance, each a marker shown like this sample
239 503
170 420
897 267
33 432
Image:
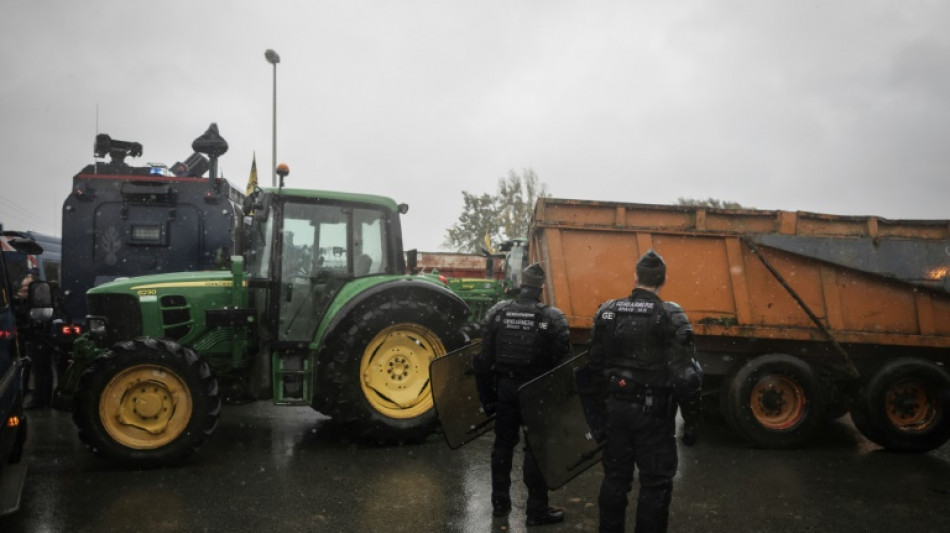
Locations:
13 422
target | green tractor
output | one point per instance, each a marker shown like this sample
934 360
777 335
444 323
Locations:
317 311
481 294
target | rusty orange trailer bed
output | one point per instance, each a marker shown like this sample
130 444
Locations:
798 316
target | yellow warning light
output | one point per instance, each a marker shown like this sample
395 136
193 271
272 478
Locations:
13 421
938 273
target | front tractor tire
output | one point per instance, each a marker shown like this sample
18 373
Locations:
146 402
375 371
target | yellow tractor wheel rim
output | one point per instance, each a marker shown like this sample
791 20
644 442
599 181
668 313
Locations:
145 407
909 406
394 370
778 402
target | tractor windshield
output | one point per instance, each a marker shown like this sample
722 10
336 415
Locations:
343 240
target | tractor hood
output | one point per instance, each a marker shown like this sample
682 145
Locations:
170 306
146 285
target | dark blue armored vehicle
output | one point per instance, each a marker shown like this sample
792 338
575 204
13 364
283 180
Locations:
121 220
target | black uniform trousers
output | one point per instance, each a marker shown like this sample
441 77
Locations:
647 440
507 430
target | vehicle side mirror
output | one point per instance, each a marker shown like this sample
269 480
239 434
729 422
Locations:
40 301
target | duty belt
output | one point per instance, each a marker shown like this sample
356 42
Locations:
660 398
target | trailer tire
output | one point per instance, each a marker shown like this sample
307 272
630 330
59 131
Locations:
374 374
725 409
905 406
160 423
775 401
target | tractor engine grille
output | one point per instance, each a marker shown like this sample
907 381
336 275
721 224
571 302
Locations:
122 311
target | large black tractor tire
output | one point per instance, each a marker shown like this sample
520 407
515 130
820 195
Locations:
775 401
905 406
146 402
374 373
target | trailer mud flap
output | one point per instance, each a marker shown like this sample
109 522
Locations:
456 396
560 417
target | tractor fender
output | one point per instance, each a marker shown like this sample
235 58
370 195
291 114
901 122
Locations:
419 289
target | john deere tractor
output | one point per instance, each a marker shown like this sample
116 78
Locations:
317 311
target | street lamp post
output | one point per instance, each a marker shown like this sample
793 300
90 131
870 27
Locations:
273 59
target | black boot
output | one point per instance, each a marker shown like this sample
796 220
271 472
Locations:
551 515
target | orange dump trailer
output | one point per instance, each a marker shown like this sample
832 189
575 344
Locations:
799 317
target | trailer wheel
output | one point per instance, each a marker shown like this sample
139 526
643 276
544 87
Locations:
775 401
375 376
146 402
905 406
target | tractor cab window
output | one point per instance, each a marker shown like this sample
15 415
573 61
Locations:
369 242
321 247
348 241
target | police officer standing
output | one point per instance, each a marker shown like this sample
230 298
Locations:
642 357
521 339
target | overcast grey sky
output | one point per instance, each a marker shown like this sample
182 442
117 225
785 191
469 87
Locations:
827 106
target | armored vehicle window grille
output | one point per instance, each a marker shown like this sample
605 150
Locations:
176 317
122 312
152 234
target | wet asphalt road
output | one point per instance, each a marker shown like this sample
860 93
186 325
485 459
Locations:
285 469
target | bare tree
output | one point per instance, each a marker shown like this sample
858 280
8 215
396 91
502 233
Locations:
505 215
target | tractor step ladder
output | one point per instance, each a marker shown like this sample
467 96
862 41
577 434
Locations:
292 377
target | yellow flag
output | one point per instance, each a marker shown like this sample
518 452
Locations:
252 180
488 242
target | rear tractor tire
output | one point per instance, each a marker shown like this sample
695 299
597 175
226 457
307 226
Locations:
775 401
375 371
905 406
146 402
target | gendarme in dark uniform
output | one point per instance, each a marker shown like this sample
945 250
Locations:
642 357
521 339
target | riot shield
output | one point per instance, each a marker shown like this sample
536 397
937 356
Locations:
455 393
559 413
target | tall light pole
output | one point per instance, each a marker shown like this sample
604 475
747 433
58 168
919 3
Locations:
273 59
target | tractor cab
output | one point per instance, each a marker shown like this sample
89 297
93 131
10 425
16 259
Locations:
302 249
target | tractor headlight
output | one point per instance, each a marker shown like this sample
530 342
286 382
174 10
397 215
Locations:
97 326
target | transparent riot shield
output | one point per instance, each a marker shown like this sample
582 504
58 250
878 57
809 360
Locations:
455 391
559 416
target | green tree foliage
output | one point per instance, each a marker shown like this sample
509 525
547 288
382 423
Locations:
709 202
504 215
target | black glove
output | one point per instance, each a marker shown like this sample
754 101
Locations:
690 433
